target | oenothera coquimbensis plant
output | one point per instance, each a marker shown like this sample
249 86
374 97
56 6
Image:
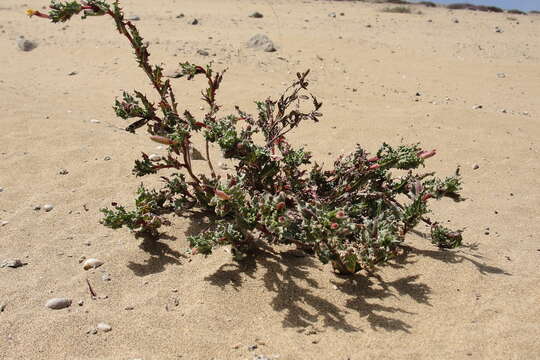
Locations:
354 215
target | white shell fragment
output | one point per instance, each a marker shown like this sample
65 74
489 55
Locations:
104 327
92 264
58 303
154 157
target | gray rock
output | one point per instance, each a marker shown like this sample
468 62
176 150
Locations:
261 41
25 44
256 15
133 18
104 327
107 158
12 263
203 52
332 14
58 303
193 21
48 207
501 75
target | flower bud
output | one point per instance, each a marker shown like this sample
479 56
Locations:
340 214
334 226
280 205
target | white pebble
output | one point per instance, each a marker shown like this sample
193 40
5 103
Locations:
58 303
223 166
48 207
92 264
1 189
104 327
95 121
154 157
4 223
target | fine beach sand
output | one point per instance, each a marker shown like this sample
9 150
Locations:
478 302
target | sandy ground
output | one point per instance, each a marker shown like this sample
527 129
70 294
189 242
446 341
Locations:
480 302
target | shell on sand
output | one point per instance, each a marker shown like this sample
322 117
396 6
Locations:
58 303
92 264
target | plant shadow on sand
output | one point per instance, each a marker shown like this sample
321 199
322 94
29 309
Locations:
288 276
161 255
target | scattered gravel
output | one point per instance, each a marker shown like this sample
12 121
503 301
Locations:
58 303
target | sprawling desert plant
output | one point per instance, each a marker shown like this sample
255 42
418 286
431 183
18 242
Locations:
354 215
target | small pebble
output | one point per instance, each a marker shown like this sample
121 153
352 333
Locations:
58 303
12 263
92 264
73 73
133 18
95 121
48 207
179 16
106 277
476 107
87 243
25 45
476 166
2 307
1 189
129 308
107 158
252 347
154 157
256 15
4 223
63 172
37 208
104 327
203 52
501 75
81 303
193 21
223 166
